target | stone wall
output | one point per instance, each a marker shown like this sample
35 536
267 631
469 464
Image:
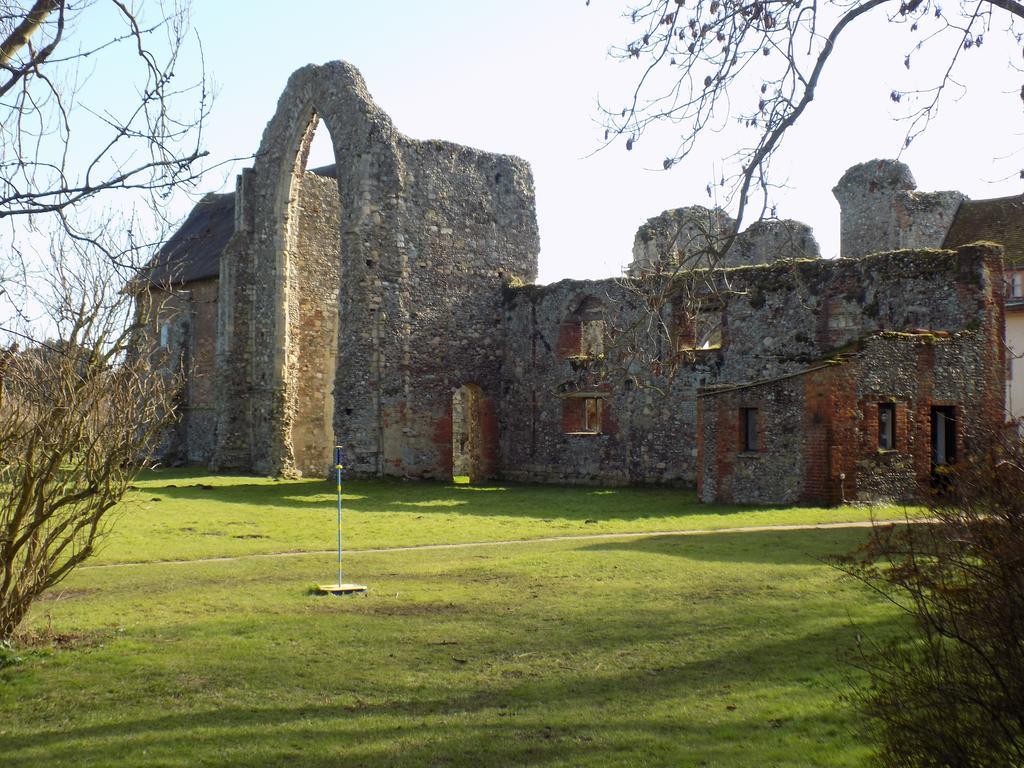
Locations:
188 313
470 227
429 234
690 237
819 436
773 473
882 211
782 317
643 436
778 320
356 309
772 240
313 279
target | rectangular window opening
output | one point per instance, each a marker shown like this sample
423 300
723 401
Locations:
748 430
698 329
592 414
886 426
592 333
943 435
582 415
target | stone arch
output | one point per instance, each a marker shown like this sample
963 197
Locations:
428 234
258 272
312 281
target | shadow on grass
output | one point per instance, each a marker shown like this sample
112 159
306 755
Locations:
806 547
315 736
539 720
541 502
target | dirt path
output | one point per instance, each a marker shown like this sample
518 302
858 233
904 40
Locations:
513 542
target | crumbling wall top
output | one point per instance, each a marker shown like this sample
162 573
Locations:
874 176
691 238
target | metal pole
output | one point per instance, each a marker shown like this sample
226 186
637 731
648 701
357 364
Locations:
337 470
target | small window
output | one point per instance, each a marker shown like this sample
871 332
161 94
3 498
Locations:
748 430
702 330
582 415
1017 285
165 335
583 332
943 435
591 414
886 426
592 334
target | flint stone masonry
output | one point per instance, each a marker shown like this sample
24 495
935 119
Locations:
186 317
385 303
776 323
429 233
819 429
644 438
688 236
883 211
313 323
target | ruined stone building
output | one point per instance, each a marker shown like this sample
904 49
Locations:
387 303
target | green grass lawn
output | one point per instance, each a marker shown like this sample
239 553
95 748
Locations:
182 514
718 650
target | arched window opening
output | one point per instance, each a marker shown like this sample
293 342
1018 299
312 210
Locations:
314 262
698 325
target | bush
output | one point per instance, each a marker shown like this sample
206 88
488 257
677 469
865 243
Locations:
951 693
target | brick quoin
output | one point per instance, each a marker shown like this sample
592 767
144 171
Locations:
817 414
489 456
442 441
727 418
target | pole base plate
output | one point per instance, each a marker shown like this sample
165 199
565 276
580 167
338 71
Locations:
340 589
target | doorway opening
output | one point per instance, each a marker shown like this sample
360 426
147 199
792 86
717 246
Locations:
468 464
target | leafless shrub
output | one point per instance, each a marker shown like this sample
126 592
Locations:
80 413
86 172
951 692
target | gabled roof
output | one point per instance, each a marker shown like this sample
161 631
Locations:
1000 220
193 252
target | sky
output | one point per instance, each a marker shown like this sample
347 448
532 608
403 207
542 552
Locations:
524 78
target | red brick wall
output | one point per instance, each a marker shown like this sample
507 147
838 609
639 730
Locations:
569 338
489 453
572 414
817 418
442 442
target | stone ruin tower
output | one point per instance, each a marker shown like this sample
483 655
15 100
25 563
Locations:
685 238
883 211
352 304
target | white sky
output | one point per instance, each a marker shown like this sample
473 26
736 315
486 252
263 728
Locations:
523 78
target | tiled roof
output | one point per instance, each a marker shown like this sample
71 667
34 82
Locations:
1000 220
193 252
